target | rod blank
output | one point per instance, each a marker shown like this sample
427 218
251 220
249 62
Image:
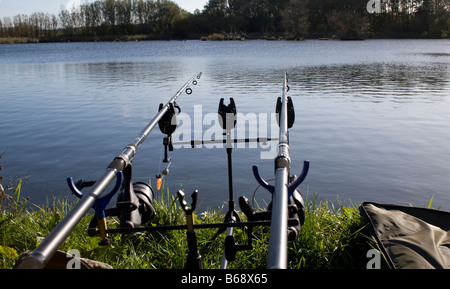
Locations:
278 230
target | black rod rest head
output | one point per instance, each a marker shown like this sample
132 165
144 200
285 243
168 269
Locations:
184 205
227 114
168 123
290 112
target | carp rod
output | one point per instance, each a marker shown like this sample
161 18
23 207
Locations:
116 170
285 195
283 186
285 214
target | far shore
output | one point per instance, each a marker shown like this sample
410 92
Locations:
143 37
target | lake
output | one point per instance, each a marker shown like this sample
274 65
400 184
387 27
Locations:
371 116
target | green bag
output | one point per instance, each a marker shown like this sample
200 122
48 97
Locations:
408 237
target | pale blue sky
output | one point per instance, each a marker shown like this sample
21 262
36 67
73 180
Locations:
14 7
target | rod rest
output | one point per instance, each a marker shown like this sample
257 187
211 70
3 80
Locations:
98 223
144 210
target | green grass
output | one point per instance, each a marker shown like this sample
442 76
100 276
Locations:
331 237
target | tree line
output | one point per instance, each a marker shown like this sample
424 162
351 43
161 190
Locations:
290 19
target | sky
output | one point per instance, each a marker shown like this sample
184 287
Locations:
13 7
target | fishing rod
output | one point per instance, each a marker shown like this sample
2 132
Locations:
130 202
286 213
284 193
134 207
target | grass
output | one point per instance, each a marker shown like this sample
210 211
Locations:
75 38
331 237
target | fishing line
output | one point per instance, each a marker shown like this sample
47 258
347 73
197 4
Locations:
254 192
158 174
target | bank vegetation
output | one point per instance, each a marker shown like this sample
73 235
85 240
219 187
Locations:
333 236
115 20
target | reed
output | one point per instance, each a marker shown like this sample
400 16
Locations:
18 40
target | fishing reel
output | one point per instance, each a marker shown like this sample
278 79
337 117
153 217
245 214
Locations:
135 202
297 215
134 205
296 209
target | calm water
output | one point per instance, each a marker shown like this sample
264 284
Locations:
371 116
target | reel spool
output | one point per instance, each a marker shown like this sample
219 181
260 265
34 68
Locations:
135 202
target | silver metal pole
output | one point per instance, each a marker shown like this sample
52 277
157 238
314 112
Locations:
279 221
45 251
